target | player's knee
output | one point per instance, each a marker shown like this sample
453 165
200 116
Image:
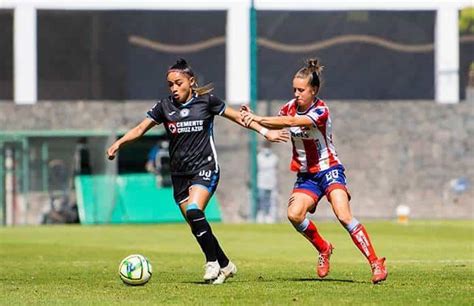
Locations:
194 214
197 221
295 216
345 218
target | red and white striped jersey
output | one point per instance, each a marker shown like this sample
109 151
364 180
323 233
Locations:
313 149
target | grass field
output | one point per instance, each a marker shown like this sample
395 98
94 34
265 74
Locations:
428 262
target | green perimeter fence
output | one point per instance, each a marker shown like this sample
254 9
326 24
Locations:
131 198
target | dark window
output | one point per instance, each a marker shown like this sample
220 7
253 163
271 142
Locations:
391 55
125 54
466 52
6 55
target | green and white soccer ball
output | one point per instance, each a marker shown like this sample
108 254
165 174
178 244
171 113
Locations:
135 270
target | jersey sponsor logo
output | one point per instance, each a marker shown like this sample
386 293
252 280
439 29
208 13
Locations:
318 145
299 133
184 112
186 126
172 127
172 113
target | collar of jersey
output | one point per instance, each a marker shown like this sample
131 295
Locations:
316 100
185 103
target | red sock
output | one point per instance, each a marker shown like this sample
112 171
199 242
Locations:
362 241
311 233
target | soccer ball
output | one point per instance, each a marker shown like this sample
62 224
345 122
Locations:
135 270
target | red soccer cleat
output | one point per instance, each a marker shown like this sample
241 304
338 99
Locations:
379 272
323 262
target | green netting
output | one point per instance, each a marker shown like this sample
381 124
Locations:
131 198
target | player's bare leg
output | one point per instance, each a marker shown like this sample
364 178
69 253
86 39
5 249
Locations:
298 206
339 200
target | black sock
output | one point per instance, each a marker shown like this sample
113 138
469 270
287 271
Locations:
203 233
221 257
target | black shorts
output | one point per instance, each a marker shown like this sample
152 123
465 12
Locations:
208 178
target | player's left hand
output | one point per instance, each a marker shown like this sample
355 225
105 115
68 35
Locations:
247 117
277 136
245 108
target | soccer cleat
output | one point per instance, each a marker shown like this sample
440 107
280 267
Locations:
229 271
323 262
379 272
212 269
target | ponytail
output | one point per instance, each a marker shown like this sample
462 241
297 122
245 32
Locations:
203 89
311 70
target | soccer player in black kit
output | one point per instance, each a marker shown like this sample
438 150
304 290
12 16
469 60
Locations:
188 117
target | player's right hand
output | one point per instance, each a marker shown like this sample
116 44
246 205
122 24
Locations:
112 151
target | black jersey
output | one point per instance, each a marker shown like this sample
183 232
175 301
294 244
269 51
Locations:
189 127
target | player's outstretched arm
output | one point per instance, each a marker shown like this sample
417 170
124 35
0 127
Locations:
130 136
277 122
276 135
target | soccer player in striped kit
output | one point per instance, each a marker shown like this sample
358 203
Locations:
319 170
188 117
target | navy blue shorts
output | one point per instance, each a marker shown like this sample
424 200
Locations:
207 178
322 183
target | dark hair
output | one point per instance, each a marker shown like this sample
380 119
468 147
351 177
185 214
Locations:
182 66
311 70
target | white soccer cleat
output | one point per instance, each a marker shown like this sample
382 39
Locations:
212 269
229 271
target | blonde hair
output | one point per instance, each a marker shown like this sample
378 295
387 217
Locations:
202 90
312 70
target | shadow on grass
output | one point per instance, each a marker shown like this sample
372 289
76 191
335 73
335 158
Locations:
324 280
286 280
203 283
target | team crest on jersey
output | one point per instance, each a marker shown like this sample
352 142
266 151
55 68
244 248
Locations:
320 110
172 127
184 112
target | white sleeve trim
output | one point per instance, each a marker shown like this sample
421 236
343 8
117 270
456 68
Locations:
152 119
222 110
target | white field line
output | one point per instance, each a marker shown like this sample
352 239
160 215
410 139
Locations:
418 261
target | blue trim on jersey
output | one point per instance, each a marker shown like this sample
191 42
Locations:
202 186
211 129
309 108
212 185
187 102
222 110
192 206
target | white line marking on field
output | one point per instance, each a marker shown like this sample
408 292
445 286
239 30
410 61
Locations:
448 261
420 261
